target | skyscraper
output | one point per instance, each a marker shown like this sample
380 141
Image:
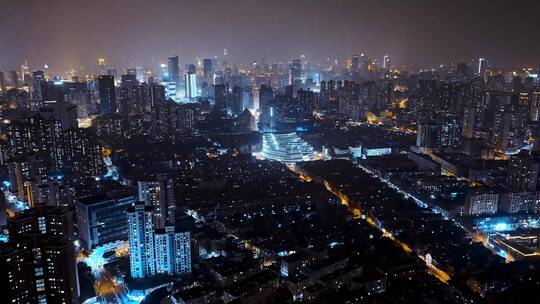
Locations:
296 74
173 251
141 241
174 71
2 81
158 193
41 242
191 82
107 94
37 98
15 79
220 97
207 67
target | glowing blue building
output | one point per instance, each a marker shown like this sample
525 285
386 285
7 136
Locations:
173 251
141 241
288 148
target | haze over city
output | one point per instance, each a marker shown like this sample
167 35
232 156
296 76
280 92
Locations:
298 152
67 34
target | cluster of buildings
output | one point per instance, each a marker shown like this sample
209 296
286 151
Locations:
236 183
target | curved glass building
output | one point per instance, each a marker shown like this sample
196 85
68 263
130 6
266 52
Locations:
288 148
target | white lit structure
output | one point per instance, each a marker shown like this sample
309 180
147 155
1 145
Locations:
481 63
191 85
288 148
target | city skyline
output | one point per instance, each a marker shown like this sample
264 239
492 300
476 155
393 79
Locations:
164 152
422 34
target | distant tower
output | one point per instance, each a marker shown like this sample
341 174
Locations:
481 66
191 81
296 74
107 94
174 71
207 67
102 70
15 79
386 62
2 81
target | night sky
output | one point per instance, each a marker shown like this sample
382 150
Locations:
128 32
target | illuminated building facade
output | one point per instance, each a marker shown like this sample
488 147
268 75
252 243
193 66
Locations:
288 148
102 219
481 203
173 251
41 249
158 193
141 241
191 85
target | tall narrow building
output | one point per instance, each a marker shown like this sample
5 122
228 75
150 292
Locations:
158 193
107 94
141 241
173 251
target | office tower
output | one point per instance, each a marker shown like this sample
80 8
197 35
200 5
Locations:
134 99
77 94
128 80
170 90
427 135
15 79
355 63
158 192
207 68
236 100
469 122
25 73
522 172
107 94
43 242
157 94
102 218
101 66
174 71
141 241
63 112
37 98
296 74
221 92
534 106
247 98
461 70
266 106
386 62
173 250
2 81
481 66
3 210
52 91
191 82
